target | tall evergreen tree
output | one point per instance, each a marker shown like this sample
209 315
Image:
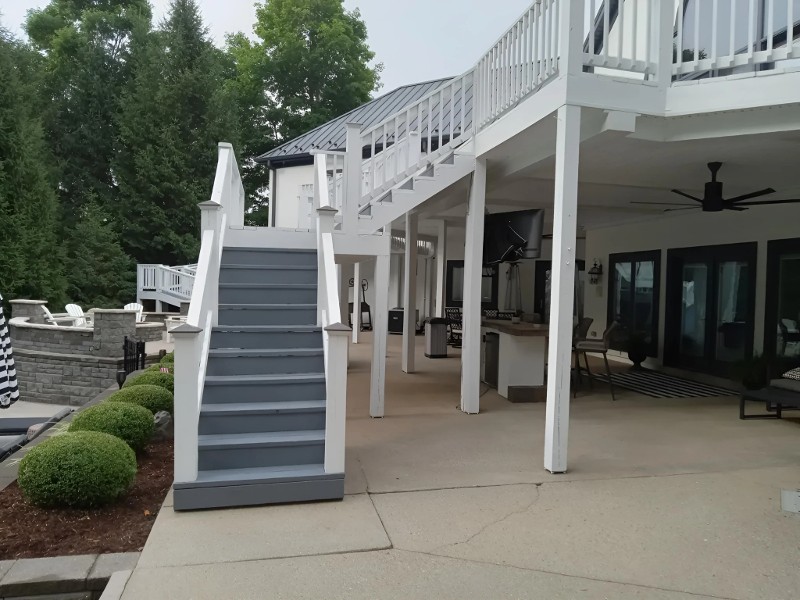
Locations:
87 46
173 115
31 259
311 63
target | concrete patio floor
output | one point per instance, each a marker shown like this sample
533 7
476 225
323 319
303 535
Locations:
664 499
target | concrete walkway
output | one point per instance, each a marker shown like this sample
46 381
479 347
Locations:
665 499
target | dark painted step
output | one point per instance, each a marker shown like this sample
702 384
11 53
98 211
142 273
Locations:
273 449
263 388
255 486
269 256
267 314
265 362
255 417
233 273
267 336
268 293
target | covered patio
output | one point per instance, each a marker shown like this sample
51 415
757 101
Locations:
664 498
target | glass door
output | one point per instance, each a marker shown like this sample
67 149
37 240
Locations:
710 307
633 297
782 315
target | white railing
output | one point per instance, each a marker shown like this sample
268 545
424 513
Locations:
161 279
524 58
621 35
713 37
192 339
335 335
423 130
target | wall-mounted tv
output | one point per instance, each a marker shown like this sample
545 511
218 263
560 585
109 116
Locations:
512 236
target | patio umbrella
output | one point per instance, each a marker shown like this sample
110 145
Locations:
9 391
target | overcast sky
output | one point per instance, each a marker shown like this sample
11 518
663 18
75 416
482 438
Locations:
416 40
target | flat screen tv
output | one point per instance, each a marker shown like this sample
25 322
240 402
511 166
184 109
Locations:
512 236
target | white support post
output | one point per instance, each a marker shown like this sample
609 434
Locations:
662 39
336 391
187 394
356 301
441 266
352 179
325 224
410 295
473 275
210 216
571 37
380 328
562 288
344 290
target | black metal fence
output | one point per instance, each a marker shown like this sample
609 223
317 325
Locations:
133 355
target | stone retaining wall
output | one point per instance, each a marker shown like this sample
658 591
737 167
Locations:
71 365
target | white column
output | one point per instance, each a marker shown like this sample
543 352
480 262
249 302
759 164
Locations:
473 271
188 348
410 294
380 328
352 178
441 266
344 272
356 301
562 288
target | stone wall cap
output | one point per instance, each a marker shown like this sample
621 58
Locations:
25 322
113 311
34 302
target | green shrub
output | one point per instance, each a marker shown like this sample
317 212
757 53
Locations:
131 423
154 398
153 377
82 469
168 360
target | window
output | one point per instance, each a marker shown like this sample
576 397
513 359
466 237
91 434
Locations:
455 285
782 325
634 280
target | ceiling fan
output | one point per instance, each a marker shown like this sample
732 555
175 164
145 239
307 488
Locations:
712 200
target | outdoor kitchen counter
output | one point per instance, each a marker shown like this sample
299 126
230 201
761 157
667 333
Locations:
522 353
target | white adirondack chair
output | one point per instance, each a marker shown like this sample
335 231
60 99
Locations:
140 316
57 321
81 319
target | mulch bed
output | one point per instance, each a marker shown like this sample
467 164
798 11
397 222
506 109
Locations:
30 532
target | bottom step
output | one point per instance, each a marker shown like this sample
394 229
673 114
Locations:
258 486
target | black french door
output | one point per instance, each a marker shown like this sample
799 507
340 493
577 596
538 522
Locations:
782 314
710 307
634 282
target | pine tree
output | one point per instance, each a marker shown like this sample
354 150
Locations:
31 259
173 115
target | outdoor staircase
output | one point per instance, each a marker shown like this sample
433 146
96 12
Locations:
261 432
387 203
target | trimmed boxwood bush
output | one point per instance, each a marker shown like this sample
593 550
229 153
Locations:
168 360
82 469
154 398
131 423
154 377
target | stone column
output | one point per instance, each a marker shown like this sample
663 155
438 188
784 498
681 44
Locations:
111 326
29 308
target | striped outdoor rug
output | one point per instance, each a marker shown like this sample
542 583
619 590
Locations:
660 385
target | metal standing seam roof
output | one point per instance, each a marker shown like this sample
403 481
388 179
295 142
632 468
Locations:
331 135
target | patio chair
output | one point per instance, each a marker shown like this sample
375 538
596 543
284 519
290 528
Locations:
140 316
81 319
454 323
584 346
579 333
57 321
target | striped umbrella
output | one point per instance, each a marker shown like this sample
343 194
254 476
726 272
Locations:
9 391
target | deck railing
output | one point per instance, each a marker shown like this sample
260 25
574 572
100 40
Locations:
176 282
335 334
192 340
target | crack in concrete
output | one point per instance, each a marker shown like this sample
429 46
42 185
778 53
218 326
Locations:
497 521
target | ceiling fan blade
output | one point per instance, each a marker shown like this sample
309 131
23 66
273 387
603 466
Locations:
687 208
663 203
764 202
736 208
763 192
684 194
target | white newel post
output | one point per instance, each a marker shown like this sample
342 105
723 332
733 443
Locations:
571 37
473 275
414 148
562 289
662 39
441 266
352 178
356 301
210 216
336 391
325 224
380 328
410 295
187 396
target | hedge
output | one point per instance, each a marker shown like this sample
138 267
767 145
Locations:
152 397
131 423
153 377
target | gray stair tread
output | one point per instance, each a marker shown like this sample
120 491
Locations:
240 440
263 407
228 352
269 306
270 267
253 475
278 378
269 286
268 250
267 328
